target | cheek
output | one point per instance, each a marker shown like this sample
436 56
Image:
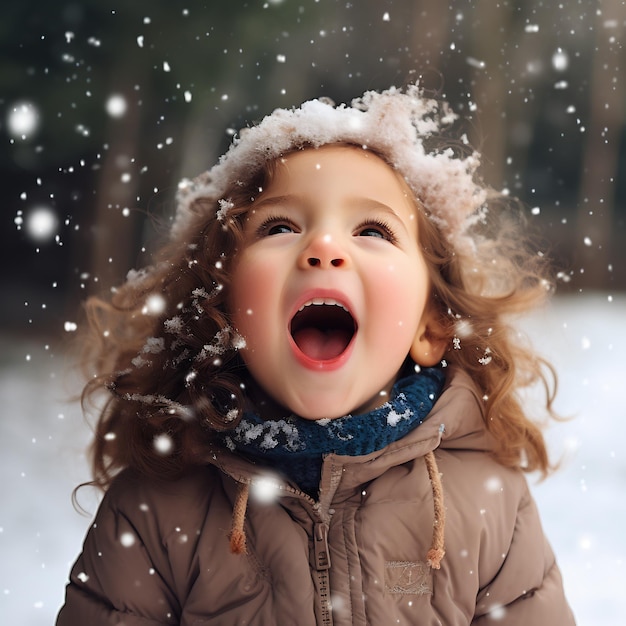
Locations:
401 295
251 296
250 280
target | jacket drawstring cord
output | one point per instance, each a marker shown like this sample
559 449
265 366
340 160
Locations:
237 533
436 552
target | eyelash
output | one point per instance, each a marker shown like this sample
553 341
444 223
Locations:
272 220
278 220
387 231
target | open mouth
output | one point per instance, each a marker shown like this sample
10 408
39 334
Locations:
323 329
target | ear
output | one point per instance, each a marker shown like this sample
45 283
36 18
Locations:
430 341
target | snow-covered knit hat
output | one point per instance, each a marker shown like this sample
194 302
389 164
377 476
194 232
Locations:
393 123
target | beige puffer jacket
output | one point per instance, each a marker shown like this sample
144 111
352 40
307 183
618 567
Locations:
159 553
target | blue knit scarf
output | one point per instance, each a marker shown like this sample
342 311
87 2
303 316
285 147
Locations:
296 447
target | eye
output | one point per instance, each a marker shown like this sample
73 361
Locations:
376 228
275 225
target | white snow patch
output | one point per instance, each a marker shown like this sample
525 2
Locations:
394 418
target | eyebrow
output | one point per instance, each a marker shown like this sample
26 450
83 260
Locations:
353 202
274 200
370 203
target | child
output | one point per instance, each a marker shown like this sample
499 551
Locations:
313 412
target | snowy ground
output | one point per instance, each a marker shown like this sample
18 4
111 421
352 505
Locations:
583 506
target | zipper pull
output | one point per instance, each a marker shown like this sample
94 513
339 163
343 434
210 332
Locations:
320 542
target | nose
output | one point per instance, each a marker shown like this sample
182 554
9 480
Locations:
324 252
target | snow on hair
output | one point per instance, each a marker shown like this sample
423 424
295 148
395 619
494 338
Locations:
394 123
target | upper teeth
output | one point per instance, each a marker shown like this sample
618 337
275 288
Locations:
329 301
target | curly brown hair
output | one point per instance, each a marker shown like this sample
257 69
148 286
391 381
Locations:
163 351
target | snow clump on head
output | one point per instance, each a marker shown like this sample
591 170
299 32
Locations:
394 124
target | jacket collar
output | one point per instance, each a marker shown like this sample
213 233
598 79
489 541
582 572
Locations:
455 422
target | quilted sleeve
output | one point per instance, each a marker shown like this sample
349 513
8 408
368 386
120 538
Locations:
116 579
528 588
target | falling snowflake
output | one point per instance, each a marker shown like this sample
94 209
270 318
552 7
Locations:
116 105
265 489
163 444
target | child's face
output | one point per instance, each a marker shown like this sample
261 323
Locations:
330 288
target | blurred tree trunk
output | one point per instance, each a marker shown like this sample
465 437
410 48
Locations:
113 233
601 152
488 43
428 46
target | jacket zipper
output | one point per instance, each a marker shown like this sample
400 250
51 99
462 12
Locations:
321 556
321 553
322 565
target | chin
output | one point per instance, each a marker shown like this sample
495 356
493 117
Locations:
316 417
313 411
331 413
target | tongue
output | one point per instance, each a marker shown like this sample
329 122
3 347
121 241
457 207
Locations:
322 345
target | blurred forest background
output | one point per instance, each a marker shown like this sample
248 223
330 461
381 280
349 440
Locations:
105 105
